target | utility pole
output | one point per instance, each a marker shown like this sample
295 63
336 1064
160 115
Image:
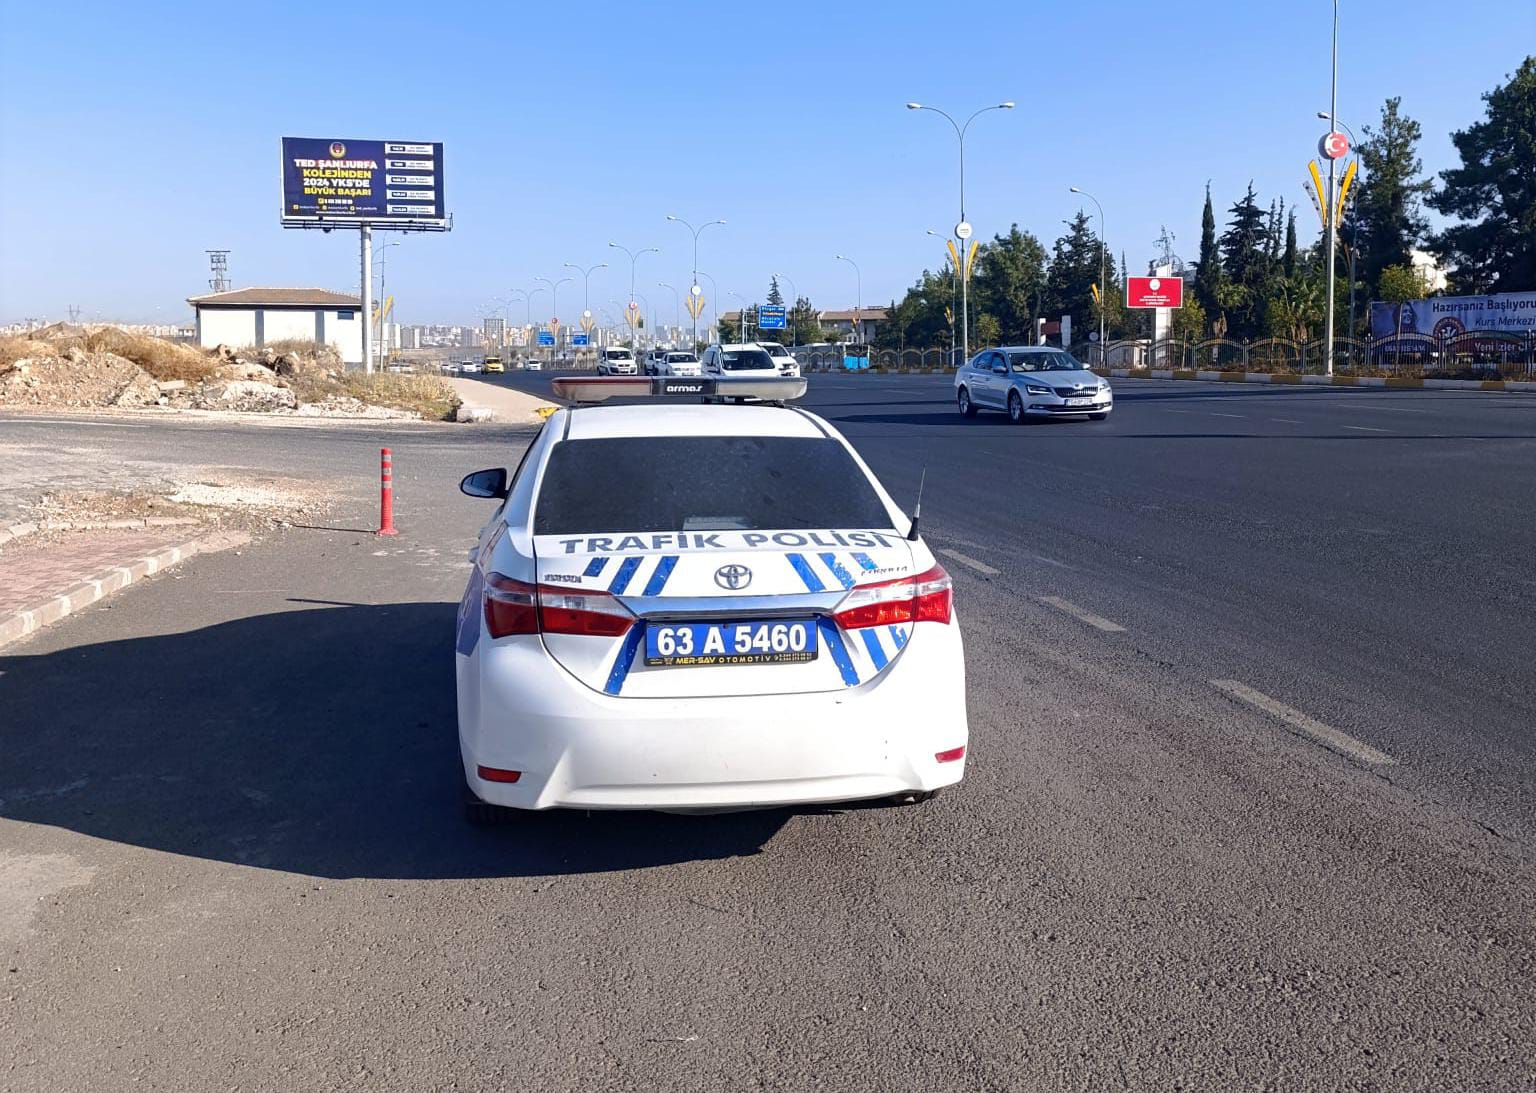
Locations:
218 267
365 241
1333 127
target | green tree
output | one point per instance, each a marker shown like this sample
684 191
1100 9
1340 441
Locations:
1398 284
1295 307
1288 260
1189 321
988 331
922 318
1208 273
1073 272
1387 221
775 297
1246 267
1007 281
1493 193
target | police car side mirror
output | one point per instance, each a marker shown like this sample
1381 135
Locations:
489 483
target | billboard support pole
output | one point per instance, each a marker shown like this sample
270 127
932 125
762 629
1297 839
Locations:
365 235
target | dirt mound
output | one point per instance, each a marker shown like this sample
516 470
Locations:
64 365
77 378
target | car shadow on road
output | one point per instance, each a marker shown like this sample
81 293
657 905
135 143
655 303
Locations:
319 741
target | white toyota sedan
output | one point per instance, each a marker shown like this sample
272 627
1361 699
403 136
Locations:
701 607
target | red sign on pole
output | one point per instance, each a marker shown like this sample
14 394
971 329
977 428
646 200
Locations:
1154 292
1333 146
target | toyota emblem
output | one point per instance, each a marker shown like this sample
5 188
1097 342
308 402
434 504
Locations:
733 577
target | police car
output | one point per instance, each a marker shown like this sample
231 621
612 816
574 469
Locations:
701 606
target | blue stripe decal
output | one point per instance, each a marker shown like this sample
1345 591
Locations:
625 658
658 579
594 567
844 578
622 578
807 574
866 563
876 652
899 636
833 640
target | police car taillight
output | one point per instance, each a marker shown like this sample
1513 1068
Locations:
597 614
517 607
926 597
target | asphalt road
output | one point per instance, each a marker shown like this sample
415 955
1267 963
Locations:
230 855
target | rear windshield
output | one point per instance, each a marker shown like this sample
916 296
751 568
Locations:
704 483
617 354
682 358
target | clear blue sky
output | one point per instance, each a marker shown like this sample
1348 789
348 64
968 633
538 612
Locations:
133 136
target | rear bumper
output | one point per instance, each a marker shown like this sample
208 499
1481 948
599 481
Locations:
579 748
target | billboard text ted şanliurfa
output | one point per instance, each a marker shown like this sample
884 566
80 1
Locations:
362 181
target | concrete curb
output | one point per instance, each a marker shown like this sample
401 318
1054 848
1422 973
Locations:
73 599
1324 381
17 531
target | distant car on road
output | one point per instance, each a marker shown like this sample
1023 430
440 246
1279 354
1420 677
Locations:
469 367
1030 382
653 362
679 362
533 364
738 358
493 364
617 360
782 357
742 618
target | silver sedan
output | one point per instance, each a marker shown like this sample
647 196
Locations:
1030 382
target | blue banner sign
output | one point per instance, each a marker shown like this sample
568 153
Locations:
771 317
1447 316
362 182
546 337
580 339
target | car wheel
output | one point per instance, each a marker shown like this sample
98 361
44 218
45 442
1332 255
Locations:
1016 408
963 400
480 813
1099 417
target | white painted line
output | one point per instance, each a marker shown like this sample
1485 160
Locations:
73 421
1288 420
1213 413
1096 621
966 559
1366 429
1326 735
1052 561
1168 411
1399 410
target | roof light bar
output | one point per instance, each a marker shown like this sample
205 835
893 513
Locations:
602 388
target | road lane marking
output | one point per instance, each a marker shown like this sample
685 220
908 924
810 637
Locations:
1213 413
1288 420
1399 410
1366 429
1052 561
1098 622
73 421
1326 735
966 559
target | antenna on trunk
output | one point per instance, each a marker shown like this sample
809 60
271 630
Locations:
917 509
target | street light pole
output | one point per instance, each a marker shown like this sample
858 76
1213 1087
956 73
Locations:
677 304
1333 112
634 256
794 304
858 307
714 294
554 308
965 281
586 275
1354 144
692 289
954 298
1103 287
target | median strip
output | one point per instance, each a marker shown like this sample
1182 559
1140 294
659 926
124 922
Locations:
1327 735
1098 622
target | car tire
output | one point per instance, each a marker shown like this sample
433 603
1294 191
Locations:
1016 412
1098 417
963 401
480 813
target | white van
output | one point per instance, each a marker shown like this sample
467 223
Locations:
616 360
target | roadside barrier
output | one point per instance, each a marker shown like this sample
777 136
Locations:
386 493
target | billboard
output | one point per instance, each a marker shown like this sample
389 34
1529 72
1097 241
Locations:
1445 316
1154 292
362 181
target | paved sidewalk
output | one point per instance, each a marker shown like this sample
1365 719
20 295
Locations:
504 403
44 577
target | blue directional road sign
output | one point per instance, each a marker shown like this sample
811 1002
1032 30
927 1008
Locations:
580 339
546 337
771 317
